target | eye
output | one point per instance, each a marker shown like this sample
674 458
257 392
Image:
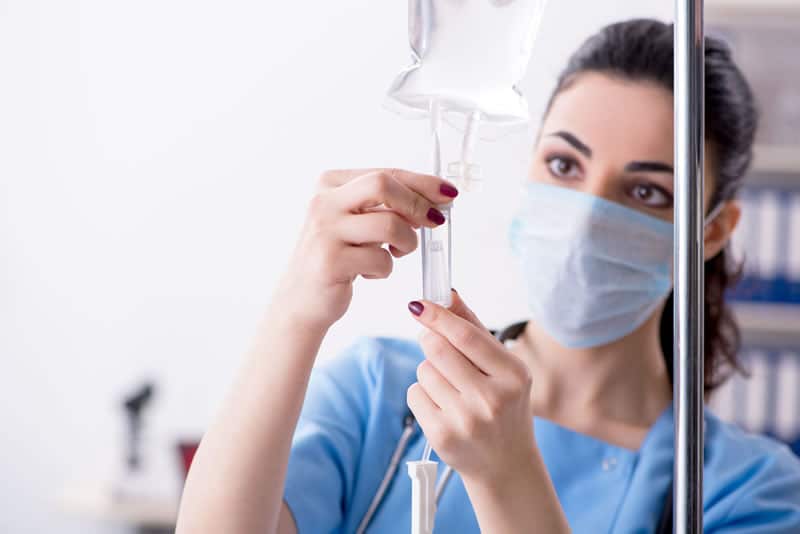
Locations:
563 167
651 195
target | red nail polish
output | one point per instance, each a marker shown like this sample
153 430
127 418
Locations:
416 308
448 190
436 216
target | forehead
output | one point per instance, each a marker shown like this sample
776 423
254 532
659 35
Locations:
618 119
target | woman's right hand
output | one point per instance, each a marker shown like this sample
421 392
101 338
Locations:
352 215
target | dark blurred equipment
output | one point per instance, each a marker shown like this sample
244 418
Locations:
139 492
134 405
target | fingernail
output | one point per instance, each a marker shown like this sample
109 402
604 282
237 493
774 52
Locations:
416 308
454 290
436 216
448 190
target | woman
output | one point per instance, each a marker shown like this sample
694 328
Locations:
567 428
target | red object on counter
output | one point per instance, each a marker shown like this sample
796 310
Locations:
187 450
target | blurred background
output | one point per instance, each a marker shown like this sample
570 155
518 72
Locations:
156 158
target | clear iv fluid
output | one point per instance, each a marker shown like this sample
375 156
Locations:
436 249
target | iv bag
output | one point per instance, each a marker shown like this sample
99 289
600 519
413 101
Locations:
468 56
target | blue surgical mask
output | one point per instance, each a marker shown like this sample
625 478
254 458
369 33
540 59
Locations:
595 270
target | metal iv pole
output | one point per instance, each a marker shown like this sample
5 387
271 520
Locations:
689 265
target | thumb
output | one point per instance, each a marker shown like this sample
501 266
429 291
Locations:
458 307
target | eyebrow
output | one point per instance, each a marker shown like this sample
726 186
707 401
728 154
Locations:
649 166
634 166
574 141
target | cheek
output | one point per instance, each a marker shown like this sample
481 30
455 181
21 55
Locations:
538 171
709 178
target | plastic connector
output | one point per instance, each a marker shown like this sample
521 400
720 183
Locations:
423 496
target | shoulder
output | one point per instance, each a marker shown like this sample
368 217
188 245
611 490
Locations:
731 451
377 368
751 481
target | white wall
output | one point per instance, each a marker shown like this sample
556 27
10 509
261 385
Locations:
155 162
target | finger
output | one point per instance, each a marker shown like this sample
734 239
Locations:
477 344
396 253
433 188
440 391
437 190
378 209
422 406
459 307
368 261
333 178
380 189
452 364
377 228
338 177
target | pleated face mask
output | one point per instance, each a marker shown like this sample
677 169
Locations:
595 270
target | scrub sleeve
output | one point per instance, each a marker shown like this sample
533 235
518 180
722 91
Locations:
326 446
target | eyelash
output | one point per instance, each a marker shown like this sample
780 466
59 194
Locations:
563 157
666 194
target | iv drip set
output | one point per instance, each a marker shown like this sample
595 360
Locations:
467 58
437 242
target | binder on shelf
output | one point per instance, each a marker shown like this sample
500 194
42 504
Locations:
767 401
768 242
793 255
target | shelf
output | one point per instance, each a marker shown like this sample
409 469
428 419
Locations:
773 324
777 159
760 6
782 13
96 502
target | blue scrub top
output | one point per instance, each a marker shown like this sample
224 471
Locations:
352 421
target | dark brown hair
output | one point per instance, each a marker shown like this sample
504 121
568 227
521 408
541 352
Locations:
642 50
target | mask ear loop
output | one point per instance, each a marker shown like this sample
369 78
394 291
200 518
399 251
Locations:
712 216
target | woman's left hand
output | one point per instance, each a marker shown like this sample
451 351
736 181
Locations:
473 396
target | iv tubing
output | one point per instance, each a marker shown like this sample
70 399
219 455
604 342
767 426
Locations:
436 259
470 137
426 453
436 159
436 147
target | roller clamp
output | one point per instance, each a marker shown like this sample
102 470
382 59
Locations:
423 496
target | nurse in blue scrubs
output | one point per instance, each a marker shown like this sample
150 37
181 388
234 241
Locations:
566 423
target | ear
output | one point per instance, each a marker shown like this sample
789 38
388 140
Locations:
719 230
